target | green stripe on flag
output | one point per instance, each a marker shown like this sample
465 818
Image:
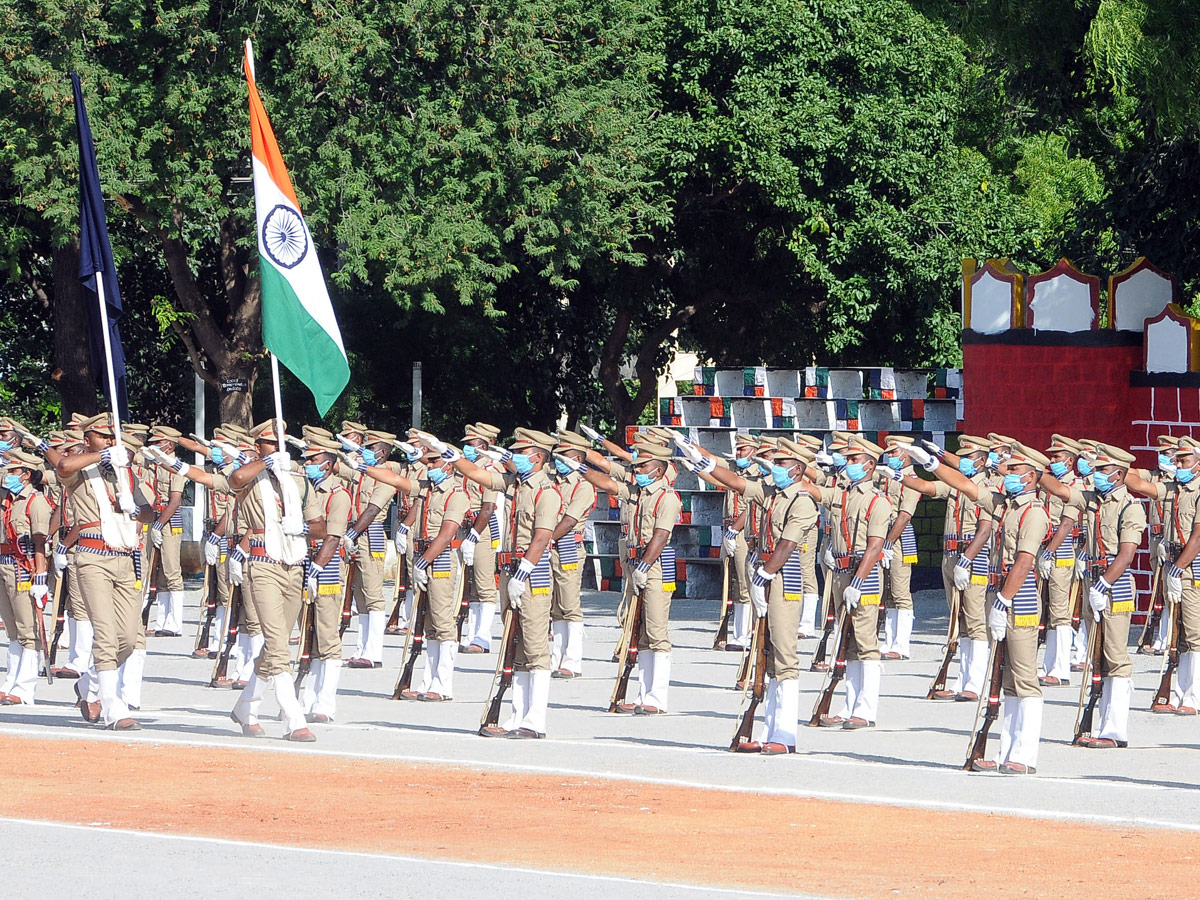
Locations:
307 349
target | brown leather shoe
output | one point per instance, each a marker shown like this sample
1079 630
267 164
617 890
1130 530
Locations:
1016 768
945 694
89 711
392 629
1077 667
626 708
317 718
985 765
64 672
221 683
525 734
238 685
432 697
200 653
774 748
856 722
165 634
1164 708
967 697
11 700
1051 681
255 731
475 648
564 673
647 711
1185 710
410 694
301 735
492 731
748 747
1098 743
831 721
735 648
819 667
357 662
891 654
126 724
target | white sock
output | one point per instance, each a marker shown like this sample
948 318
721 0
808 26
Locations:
312 685
25 683
433 650
852 680
979 666
520 701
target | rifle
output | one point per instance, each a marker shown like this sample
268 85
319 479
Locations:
308 640
818 663
837 672
41 638
726 606
210 593
149 587
221 668
413 644
1044 600
884 601
758 651
1092 685
60 615
1077 603
989 705
939 680
1154 614
628 651
1162 697
464 602
503 678
393 622
348 596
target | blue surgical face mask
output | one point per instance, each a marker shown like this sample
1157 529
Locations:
1103 482
470 452
1059 469
895 463
13 484
838 460
217 457
1164 461
437 476
967 467
5 446
314 472
522 463
643 480
562 467
743 462
993 458
1083 467
856 472
369 457
1183 476
1013 483
781 477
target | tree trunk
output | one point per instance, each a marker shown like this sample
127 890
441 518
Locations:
72 357
237 407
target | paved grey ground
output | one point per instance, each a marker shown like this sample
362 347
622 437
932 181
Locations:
911 758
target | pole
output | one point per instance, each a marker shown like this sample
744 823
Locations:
112 378
278 400
416 396
198 506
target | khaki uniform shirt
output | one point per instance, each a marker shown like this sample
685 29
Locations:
1025 524
790 513
536 505
439 503
962 513
579 498
859 513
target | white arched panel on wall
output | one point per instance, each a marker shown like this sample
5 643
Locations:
1139 293
992 296
1171 340
1063 299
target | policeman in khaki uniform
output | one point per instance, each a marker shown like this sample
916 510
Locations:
899 551
1181 575
1056 564
484 515
740 533
649 567
1115 525
568 555
862 517
437 567
524 564
367 540
966 549
1161 539
777 586
108 510
1016 602
26 523
808 552
278 522
166 535
79 626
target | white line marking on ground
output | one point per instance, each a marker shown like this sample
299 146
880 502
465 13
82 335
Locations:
358 854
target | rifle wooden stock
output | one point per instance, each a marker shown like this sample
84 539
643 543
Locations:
221 667
413 644
818 663
60 614
629 651
1044 600
722 635
1092 685
43 644
348 596
393 622
211 595
503 678
1077 601
149 586
837 671
989 705
1154 613
308 639
758 651
464 602
939 680
885 601
1162 697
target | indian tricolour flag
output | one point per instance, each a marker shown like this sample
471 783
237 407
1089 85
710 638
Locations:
298 322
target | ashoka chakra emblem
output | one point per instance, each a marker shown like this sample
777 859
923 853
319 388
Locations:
283 237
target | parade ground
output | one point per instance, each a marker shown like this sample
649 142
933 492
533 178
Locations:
403 799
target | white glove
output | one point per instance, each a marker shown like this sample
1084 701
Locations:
518 585
568 462
470 542
1168 470
116 456
1045 565
421 574
445 450
962 574
125 502
1161 551
401 540
887 555
279 461
998 619
229 452
729 542
212 550
827 559
61 560
39 592
1081 565
156 535
933 448
293 526
591 434
235 562
311 582
922 457
758 590
640 576
824 459
1098 597
852 594
890 474
1173 583
350 542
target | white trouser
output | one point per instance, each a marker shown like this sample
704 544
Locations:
443 674
558 643
25 673
433 652
1028 731
484 617
739 633
130 683
250 699
325 699
660 678
216 634
904 627
785 721
1057 661
538 700
1185 677
376 623
520 701
248 647
111 704
289 706
13 663
890 619
1114 709
808 614
853 682
866 704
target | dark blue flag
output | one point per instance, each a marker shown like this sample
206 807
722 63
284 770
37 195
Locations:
96 260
